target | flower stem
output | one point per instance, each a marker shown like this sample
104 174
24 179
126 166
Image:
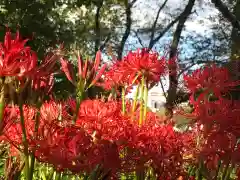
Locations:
50 175
123 101
142 102
24 137
145 101
199 175
218 169
78 103
58 176
140 175
2 104
77 111
135 101
224 175
37 120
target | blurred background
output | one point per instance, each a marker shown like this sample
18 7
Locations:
198 31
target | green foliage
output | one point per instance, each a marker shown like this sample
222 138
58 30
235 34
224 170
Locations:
50 22
54 21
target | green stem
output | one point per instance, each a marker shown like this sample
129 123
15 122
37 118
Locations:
142 102
199 171
77 111
135 101
58 176
189 172
31 167
228 174
24 137
224 175
78 103
2 105
145 101
113 92
50 175
123 101
37 120
218 170
140 175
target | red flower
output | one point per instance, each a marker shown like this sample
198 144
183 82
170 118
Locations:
43 76
142 63
68 70
102 135
16 58
210 79
66 148
219 146
99 109
12 132
151 142
222 114
88 74
114 77
52 110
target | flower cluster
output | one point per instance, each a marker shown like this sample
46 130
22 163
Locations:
143 63
217 112
79 134
100 136
16 58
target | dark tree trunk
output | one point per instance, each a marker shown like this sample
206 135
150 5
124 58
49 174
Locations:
173 77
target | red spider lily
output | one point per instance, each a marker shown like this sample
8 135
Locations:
68 70
13 131
48 65
71 148
44 84
87 73
210 79
66 148
98 138
43 76
148 143
219 145
50 141
49 112
63 145
221 113
16 58
99 109
142 63
52 110
163 147
9 114
114 77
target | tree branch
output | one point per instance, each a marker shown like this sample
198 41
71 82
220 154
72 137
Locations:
166 29
132 3
164 92
173 80
162 33
155 23
97 24
226 13
105 42
139 39
128 25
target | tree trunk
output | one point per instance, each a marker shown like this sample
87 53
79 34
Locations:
235 36
173 77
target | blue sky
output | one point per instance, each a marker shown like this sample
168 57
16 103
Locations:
145 12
